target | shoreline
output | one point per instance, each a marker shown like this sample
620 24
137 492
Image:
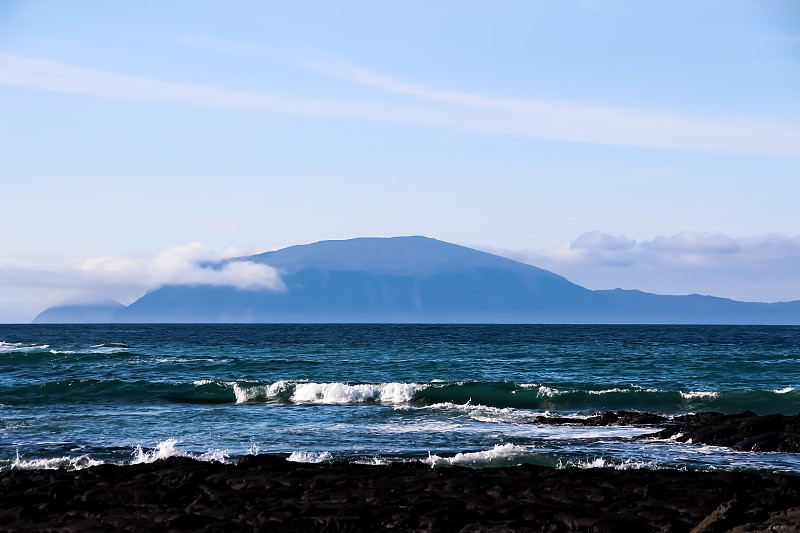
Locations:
745 431
266 492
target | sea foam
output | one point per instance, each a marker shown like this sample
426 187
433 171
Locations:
341 393
310 457
500 455
699 394
53 463
167 448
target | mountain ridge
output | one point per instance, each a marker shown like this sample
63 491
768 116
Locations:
419 279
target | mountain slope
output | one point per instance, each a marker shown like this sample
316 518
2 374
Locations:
80 313
401 279
418 279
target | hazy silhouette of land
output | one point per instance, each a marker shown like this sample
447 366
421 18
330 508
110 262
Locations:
416 280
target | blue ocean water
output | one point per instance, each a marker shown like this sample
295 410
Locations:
77 395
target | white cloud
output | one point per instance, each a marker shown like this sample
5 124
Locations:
191 264
28 289
450 109
760 268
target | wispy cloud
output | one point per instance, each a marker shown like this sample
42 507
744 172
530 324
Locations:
127 278
760 268
428 106
593 124
48 75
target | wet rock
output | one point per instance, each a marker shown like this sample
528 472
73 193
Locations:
743 431
621 418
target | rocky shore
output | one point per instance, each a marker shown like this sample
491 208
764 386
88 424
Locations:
268 493
745 431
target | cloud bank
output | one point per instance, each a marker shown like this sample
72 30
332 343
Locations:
523 117
29 289
191 264
762 268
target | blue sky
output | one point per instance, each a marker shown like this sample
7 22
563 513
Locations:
621 144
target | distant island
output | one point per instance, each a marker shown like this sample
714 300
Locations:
415 280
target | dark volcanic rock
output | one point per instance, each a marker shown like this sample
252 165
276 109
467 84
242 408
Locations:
621 418
270 494
743 431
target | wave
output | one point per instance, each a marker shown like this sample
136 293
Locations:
54 463
501 455
327 393
310 457
593 398
167 448
22 348
488 396
12 347
140 455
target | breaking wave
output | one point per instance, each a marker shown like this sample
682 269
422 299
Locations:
485 396
168 448
500 455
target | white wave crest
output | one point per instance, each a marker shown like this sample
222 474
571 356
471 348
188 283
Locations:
698 394
484 413
67 463
325 393
277 388
550 392
167 448
21 347
500 454
342 393
372 461
162 450
607 391
310 457
783 390
244 393
602 462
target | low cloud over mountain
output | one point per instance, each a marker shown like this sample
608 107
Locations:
125 279
400 279
761 268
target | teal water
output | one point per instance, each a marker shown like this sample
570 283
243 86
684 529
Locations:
75 395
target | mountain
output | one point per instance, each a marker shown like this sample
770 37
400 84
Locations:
418 279
80 313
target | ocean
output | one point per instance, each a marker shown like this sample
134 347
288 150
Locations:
73 396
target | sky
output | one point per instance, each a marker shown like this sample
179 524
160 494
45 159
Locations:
642 145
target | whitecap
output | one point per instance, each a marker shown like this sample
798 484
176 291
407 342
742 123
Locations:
310 457
162 450
607 391
698 394
244 394
21 347
501 453
342 393
53 463
602 462
549 391
372 461
167 448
